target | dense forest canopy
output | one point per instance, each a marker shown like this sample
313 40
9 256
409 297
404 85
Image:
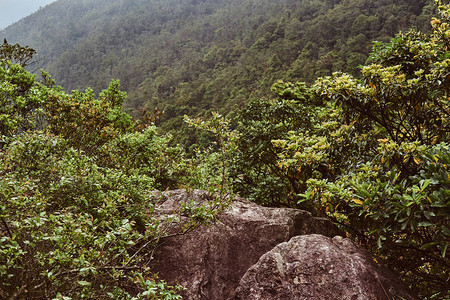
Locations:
188 57
367 148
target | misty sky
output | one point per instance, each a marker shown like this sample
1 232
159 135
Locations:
13 10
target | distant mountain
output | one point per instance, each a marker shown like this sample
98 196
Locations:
191 56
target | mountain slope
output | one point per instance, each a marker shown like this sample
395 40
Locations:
187 57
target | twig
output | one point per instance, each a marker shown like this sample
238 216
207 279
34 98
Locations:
8 230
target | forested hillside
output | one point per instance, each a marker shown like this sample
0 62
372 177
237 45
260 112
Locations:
367 148
187 57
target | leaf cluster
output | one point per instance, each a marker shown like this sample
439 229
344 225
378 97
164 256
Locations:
189 57
370 153
76 204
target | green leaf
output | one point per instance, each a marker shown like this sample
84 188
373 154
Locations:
426 246
84 283
425 224
409 203
444 250
404 225
380 238
364 193
424 184
428 214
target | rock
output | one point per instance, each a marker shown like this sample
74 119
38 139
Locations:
319 267
210 261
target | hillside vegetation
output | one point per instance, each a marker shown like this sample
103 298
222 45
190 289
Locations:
368 149
188 57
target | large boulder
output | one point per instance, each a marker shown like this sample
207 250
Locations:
319 267
210 261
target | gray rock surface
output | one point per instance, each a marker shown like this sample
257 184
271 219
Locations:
319 267
210 261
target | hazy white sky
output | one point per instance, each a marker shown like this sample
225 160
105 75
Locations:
13 10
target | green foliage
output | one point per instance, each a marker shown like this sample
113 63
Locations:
20 99
17 54
409 104
255 171
403 220
188 57
76 202
369 150
372 154
213 163
148 153
76 228
389 181
87 123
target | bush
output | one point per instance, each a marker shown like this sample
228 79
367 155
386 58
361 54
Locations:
76 215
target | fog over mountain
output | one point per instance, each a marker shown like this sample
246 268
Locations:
13 10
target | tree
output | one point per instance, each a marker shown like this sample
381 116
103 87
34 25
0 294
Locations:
20 99
386 142
372 154
255 171
76 202
23 56
188 57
